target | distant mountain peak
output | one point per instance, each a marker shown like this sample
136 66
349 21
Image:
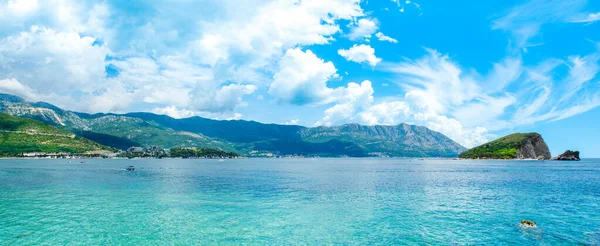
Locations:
10 98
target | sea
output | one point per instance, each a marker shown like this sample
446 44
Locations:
349 201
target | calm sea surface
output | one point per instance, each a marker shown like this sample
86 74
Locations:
298 201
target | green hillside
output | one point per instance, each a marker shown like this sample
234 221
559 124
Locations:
19 135
506 147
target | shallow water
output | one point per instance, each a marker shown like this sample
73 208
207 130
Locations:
298 201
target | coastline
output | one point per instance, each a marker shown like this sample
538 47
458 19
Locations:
281 157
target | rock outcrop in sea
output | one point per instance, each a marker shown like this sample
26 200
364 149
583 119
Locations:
514 146
568 156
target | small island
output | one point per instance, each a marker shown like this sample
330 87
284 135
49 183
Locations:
568 156
513 146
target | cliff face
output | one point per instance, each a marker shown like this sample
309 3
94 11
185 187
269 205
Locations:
534 147
514 146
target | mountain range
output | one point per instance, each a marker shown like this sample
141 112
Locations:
249 138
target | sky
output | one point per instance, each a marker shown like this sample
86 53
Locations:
472 70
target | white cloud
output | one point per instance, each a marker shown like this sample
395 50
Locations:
524 21
441 96
174 112
402 5
236 116
265 30
581 71
435 81
116 96
465 106
395 112
354 98
386 113
483 110
45 59
453 129
360 54
381 37
503 74
223 100
21 7
302 78
364 28
292 122
591 17
227 55
14 87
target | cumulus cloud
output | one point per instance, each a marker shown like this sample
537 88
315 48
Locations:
14 87
353 98
398 111
45 59
274 27
360 54
174 112
364 28
69 46
302 78
386 113
21 7
225 99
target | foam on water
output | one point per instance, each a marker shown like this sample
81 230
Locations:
283 201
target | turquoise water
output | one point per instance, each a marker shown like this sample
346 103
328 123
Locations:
297 201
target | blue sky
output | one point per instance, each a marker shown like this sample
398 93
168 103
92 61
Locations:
473 70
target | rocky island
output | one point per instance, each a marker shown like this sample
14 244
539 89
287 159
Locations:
513 146
568 156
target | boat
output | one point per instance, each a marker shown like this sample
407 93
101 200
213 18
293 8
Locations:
130 168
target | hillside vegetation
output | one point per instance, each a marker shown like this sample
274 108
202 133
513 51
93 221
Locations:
506 147
18 136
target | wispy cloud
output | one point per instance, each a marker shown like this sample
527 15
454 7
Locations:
589 18
467 106
363 29
381 37
524 21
